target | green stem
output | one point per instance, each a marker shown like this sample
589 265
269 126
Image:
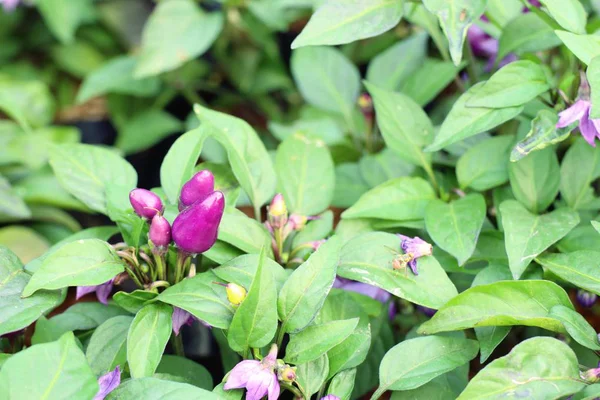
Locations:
159 258
257 213
280 335
292 389
303 392
380 391
322 390
471 66
134 277
177 345
180 267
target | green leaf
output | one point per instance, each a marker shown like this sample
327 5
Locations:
313 374
543 133
303 294
108 345
11 205
181 367
527 33
585 47
178 165
577 326
201 297
304 168
489 338
593 77
389 69
444 387
159 389
455 227
570 14
247 155
147 339
513 85
345 21
400 199
326 79
86 315
503 303
116 76
542 367
535 180
255 321
484 166
243 232
56 370
424 84
242 269
527 235
368 258
134 301
463 122
86 171
423 359
315 230
456 16
342 384
176 32
349 185
580 268
63 18
146 129
580 167
86 262
29 103
404 125
315 340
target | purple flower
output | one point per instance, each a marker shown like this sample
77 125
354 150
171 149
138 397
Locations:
179 318
415 248
195 228
108 382
160 231
102 291
368 290
486 46
585 298
580 111
258 377
145 203
317 243
330 397
9 5
196 189
426 310
591 375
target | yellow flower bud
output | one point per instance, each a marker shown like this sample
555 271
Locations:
288 374
235 293
278 207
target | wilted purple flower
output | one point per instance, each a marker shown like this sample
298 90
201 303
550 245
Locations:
179 318
160 231
580 111
195 228
330 397
9 5
585 298
196 189
108 382
145 203
415 248
258 377
102 291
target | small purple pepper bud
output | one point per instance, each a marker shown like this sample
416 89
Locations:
145 203
585 298
277 212
196 189
160 231
195 228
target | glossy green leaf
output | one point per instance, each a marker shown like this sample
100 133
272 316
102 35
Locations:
159 389
429 80
577 326
242 269
423 359
580 268
304 168
570 14
86 171
524 34
11 205
59 371
345 21
404 125
503 303
400 199
190 371
147 338
64 18
82 263
368 258
489 338
584 47
255 321
87 315
527 235
303 294
315 230
535 179
243 232
485 165
28 103
593 77
349 185
542 367
176 32
247 155
201 297
513 85
342 384
445 387
108 345
315 340
146 129
312 375
455 226
134 301
574 184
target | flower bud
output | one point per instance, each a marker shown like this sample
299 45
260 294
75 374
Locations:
160 231
145 203
287 374
585 298
298 222
591 375
196 189
365 103
235 293
277 212
195 228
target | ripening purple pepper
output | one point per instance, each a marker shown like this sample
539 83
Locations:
160 231
145 203
196 189
195 228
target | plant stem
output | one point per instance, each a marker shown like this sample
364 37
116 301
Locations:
280 335
378 393
177 345
292 389
471 66
160 266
